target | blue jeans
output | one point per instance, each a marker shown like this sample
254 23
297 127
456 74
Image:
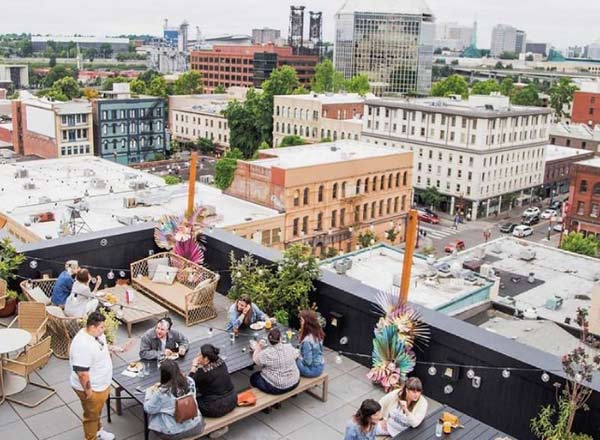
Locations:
257 381
309 371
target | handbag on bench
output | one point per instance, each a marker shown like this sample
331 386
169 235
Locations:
186 408
246 398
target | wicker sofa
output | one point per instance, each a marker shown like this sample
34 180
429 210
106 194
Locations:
192 293
61 328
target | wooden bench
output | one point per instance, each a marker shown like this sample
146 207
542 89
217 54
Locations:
264 400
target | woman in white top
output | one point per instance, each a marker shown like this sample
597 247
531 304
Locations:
402 409
82 301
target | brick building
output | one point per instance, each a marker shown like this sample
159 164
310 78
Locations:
558 168
330 192
586 104
248 66
576 136
318 116
583 213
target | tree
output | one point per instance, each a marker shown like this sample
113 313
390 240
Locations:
358 84
148 75
188 83
431 196
485 87
225 169
508 55
64 89
326 78
499 65
367 238
138 87
453 85
205 145
220 89
57 72
292 140
561 95
157 87
108 82
90 54
578 243
507 86
90 93
437 51
300 91
529 95
244 131
106 50
529 57
52 61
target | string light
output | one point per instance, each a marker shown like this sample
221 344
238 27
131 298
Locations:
122 274
506 373
432 371
33 264
545 377
470 373
448 389
110 275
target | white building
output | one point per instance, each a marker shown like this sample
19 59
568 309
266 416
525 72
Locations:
593 50
474 152
318 116
16 75
506 38
454 36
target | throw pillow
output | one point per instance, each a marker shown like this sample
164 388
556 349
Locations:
165 274
154 263
38 295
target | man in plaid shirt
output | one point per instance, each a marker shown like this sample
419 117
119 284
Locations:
278 361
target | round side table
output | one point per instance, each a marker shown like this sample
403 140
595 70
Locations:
11 339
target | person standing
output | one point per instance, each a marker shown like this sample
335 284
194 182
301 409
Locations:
163 340
64 283
91 374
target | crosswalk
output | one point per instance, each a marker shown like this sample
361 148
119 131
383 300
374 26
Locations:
438 233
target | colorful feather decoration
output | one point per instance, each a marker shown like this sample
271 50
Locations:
182 233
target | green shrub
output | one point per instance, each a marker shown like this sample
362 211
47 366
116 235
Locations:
172 180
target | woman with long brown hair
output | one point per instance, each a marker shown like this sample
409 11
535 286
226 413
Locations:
403 408
243 312
311 361
363 423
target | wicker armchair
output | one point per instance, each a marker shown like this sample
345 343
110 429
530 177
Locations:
61 328
34 358
2 297
33 318
191 295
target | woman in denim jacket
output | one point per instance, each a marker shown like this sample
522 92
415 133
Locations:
311 362
160 404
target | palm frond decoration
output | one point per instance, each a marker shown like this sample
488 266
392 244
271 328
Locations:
190 250
165 230
391 359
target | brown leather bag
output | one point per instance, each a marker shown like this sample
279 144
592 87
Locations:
246 398
185 408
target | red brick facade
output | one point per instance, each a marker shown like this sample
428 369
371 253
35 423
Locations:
584 200
343 111
586 108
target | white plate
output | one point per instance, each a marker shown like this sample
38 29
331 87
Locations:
173 357
257 325
136 369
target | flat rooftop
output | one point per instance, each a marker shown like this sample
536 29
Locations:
69 38
53 185
556 152
380 267
323 153
554 272
329 98
595 162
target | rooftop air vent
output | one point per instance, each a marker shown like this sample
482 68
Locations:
21 173
333 148
29 185
342 266
89 172
98 183
527 254
137 185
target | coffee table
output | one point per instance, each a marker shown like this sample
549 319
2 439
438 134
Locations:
11 339
141 309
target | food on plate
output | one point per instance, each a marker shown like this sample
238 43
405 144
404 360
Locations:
111 298
257 325
135 366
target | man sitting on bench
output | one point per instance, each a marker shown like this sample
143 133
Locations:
163 340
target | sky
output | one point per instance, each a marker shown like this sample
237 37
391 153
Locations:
556 21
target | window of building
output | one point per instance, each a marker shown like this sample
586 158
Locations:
388 207
403 205
296 198
365 211
396 204
373 209
583 186
358 185
343 217
374 186
380 208
367 185
320 194
334 218
305 224
595 210
295 227
596 190
305 196
356 214
390 177
580 208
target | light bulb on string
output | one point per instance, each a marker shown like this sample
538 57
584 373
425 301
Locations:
470 373
432 371
110 275
545 377
122 274
506 373
33 264
448 389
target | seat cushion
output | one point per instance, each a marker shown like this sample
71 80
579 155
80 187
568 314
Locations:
55 311
38 295
165 274
172 294
153 263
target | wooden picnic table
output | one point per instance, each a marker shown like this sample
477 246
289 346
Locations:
141 309
472 429
236 354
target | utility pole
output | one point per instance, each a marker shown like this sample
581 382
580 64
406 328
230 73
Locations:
409 248
192 183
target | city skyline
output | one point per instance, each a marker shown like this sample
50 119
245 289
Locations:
538 19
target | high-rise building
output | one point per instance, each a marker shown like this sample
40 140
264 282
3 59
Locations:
593 51
454 36
266 35
539 48
506 38
389 41
481 154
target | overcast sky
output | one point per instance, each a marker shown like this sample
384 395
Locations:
556 21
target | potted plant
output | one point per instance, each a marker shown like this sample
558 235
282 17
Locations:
10 260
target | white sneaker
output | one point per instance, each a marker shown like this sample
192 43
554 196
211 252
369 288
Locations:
219 433
105 435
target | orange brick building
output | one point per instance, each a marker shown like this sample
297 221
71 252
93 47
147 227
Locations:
586 104
583 211
248 66
330 192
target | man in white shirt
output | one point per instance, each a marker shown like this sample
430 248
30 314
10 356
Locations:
91 374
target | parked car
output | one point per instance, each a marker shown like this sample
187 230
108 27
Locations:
426 217
558 227
507 228
548 213
531 220
522 231
457 245
429 211
556 204
533 210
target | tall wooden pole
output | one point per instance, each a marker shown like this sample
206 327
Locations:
192 183
409 248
